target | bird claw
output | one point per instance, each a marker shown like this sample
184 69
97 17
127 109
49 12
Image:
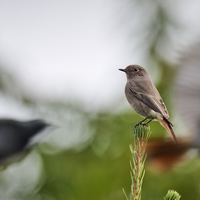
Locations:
140 123
145 124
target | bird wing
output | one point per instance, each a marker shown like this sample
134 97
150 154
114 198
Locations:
155 103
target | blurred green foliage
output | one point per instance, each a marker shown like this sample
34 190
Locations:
101 169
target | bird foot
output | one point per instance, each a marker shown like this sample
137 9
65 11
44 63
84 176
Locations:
140 123
145 124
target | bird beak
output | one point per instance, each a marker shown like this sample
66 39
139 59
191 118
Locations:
123 70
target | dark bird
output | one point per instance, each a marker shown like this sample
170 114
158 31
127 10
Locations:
145 99
16 136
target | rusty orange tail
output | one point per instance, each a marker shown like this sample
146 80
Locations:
169 129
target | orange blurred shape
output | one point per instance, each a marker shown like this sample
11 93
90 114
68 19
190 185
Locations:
163 154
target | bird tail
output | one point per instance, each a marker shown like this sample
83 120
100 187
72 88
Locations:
169 129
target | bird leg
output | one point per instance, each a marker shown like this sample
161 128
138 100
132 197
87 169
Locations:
147 122
140 123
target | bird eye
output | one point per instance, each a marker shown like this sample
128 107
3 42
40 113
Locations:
135 70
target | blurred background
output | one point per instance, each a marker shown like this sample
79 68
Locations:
59 61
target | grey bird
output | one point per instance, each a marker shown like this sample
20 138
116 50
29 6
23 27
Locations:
145 99
15 136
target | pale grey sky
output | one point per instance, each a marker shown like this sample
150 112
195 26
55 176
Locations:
65 49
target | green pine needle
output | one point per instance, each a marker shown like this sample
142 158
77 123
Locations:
141 136
125 194
172 195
